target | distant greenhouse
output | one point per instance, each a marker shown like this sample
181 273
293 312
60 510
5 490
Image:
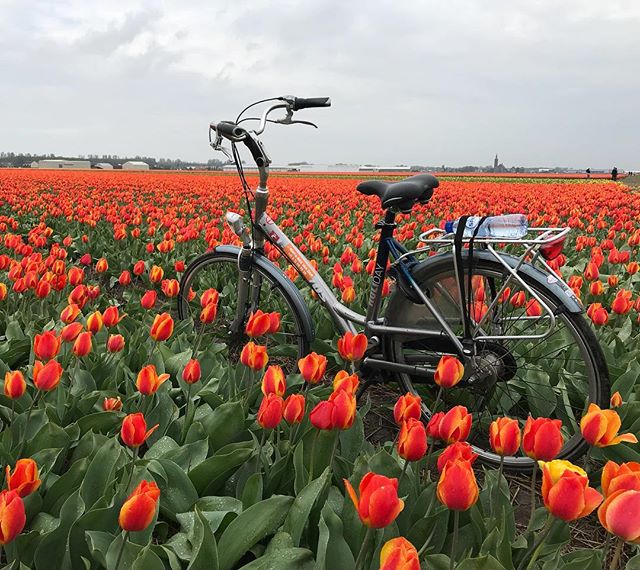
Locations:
65 164
135 165
103 166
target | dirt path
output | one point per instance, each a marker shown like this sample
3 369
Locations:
633 182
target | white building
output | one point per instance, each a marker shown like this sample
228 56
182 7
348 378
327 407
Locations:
103 166
135 165
65 164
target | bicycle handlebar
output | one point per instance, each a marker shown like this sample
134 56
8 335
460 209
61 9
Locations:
310 102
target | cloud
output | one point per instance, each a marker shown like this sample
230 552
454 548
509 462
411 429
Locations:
419 81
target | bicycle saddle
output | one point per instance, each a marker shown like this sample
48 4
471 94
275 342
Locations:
401 195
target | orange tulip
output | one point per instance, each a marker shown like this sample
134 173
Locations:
138 268
258 324
620 515
162 327
596 288
345 381
338 412
616 400
69 313
458 451
156 273
138 510
208 313
270 412
82 345
504 436
312 367
518 299
399 554
12 516
600 428
598 314
46 376
71 331
352 346
14 384
148 300
170 287
46 345
448 372
293 412
115 343
112 404
412 441
533 309
451 426
625 476
457 487
111 316
406 407
192 371
148 380
254 356
542 438
134 430
566 492
24 480
101 265
591 272
209 296
273 381
378 505
348 295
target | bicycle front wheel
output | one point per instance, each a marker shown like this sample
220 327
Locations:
554 376
219 270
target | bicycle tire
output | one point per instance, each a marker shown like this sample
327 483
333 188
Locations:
271 276
599 386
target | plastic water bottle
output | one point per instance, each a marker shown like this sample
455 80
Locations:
509 226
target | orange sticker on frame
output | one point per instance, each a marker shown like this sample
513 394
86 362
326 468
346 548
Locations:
299 262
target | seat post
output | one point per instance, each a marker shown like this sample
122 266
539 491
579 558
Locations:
387 226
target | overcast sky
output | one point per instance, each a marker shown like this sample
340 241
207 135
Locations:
432 82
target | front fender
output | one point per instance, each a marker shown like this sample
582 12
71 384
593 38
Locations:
284 282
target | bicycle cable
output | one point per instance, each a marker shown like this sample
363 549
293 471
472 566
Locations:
246 189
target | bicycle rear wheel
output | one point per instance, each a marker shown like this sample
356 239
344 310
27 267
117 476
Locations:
219 270
556 376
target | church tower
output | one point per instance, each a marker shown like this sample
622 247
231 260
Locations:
495 162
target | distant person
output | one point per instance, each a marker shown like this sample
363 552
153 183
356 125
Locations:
588 173
614 173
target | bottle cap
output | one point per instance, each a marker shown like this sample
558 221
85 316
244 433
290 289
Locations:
448 227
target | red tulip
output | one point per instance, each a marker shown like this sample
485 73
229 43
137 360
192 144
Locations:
134 430
14 384
399 554
378 505
270 411
458 451
412 441
12 516
115 343
192 371
293 412
345 381
112 404
138 510
407 407
448 372
162 327
542 438
312 367
82 345
254 356
148 380
273 381
46 345
24 480
46 376
504 436
352 347
457 488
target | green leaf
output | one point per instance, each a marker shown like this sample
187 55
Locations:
147 560
251 526
176 489
252 491
284 559
100 472
129 555
301 508
205 551
212 473
100 422
225 425
333 551
626 381
486 562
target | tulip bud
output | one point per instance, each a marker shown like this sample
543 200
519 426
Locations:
352 347
125 278
46 376
294 409
209 296
542 438
69 313
14 384
12 516
134 430
71 332
254 356
162 327
312 367
192 372
399 554
115 343
407 407
111 316
24 480
448 372
616 400
504 436
412 441
457 487
273 381
102 265
138 510
148 380
600 428
46 345
378 505
95 322
156 274
270 411
620 515
209 313
138 268
112 404
345 381
258 324
82 345
451 426
625 476
170 287
148 300
566 492
458 451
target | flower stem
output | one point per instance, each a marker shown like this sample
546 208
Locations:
532 554
454 540
26 424
134 456
260 447
404 470
313 455
617 554
500 469
363 549
121 552
334 449
534 476
185 426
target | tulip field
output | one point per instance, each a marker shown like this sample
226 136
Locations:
129 439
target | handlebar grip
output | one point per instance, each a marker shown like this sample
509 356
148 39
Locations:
310 102
230 130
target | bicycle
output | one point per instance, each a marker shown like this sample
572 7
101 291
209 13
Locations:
519 329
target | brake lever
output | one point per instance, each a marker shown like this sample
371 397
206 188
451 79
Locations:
217 145
288 120
304 123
